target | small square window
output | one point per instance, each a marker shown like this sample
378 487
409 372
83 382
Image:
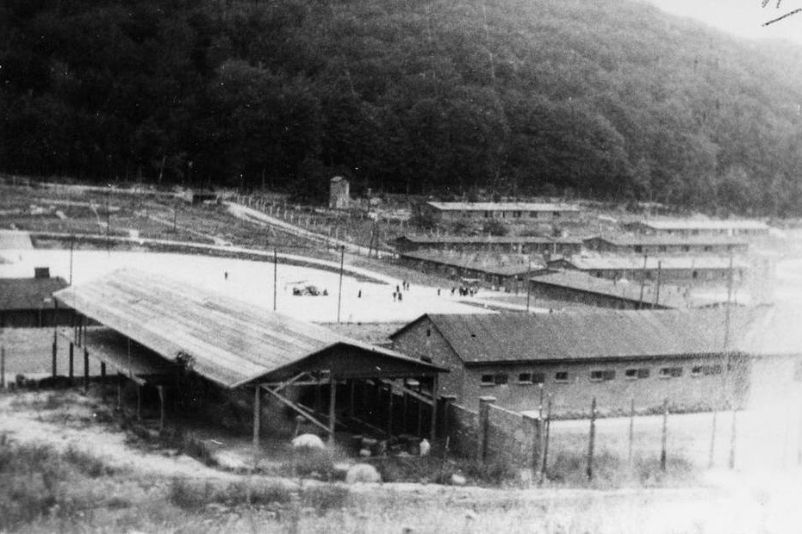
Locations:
538 378
561 376
697 370
713 369
643 373
500 379
670 372
631 374
602 375
525 378
487 380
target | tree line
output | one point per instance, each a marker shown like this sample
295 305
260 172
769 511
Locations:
607 100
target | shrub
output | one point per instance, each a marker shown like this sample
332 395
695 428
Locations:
87 463
325 498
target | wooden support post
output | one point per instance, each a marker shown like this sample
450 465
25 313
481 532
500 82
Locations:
318 395
72 362
591 439
433 422
390 410
404 410
160 389
257 419
3 367
483 427
332 407
664 438
119 391
631 430
103 370
420 418
351 405
86 371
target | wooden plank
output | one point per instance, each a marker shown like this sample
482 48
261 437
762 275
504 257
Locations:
297 408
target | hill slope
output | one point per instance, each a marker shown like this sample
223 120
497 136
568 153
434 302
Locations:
606 99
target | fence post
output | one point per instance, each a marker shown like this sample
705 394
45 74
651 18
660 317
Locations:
631 429
547 432
86 371
712 452
591 438
483 427
53 367
664 437
733 435
72 362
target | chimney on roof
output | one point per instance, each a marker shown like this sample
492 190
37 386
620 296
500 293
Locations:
41 272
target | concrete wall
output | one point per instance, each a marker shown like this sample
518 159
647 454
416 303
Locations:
511 438
462 428
575 395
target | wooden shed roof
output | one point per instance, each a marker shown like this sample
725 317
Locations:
225 340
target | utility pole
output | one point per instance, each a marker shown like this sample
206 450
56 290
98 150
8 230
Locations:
528 283
642 282
657 291
340 292
72 250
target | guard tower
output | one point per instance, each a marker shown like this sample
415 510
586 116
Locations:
339 193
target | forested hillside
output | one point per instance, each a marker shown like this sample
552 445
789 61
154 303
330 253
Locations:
606 99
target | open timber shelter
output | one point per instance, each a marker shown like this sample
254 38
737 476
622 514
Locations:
163 333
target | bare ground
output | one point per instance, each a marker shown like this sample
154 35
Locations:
143 484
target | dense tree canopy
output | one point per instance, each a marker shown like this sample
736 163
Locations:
608 99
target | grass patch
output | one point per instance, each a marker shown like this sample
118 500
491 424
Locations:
38 481
194 495
612 471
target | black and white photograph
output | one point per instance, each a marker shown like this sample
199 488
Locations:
401 267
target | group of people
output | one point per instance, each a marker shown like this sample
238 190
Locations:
398 294
464 291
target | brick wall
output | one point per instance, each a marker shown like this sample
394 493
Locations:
422 340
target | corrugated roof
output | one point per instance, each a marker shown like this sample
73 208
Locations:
424 239
29 293
113 348
225 340
704 224
588 336
635 263
502 206
497 264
